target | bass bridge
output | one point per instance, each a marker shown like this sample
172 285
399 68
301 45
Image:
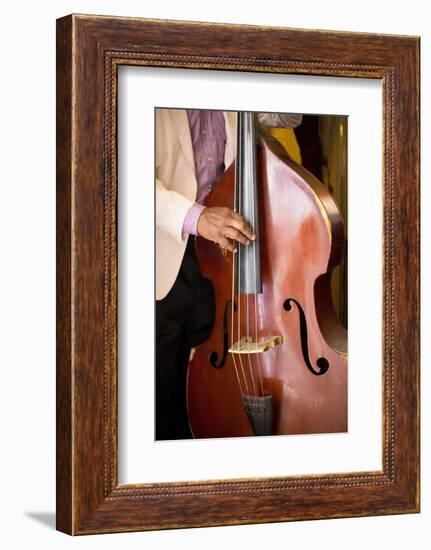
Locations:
247 345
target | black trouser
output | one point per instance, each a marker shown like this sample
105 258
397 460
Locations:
184 319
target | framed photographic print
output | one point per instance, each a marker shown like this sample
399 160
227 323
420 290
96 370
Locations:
237 274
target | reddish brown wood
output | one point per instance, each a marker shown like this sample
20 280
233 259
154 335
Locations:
64 447
301 236
90 49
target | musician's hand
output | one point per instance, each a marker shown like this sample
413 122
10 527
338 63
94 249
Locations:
224 226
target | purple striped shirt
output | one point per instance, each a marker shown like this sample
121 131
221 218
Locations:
208 134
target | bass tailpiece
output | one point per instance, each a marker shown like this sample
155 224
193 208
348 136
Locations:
259 411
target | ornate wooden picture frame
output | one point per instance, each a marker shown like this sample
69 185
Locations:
89 51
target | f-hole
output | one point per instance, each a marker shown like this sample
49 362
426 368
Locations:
322 363
213 356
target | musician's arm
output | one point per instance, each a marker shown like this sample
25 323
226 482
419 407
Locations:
171 211
218 224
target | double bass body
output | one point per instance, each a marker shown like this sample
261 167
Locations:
304 378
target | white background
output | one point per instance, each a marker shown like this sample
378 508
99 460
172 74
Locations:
140 458
27 289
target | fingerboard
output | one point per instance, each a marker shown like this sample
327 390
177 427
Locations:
249 280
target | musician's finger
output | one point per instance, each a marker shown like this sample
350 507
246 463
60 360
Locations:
226 243
240 224
236 235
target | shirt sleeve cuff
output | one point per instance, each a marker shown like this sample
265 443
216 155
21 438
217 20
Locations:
190 224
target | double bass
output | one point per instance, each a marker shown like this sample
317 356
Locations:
276 360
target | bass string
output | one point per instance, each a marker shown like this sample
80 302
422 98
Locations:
239 304
238 188
255 251
254 243
254 214
246 296
232 330
256 334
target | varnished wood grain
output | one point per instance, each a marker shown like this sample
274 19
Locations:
64 497
89 50
301 234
